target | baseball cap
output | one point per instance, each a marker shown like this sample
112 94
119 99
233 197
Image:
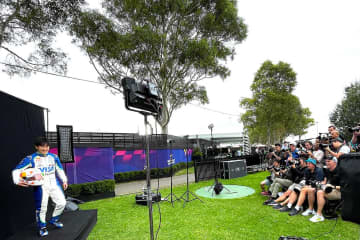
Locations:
332 159
311 160
293 143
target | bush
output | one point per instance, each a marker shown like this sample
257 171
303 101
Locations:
154 173
104 186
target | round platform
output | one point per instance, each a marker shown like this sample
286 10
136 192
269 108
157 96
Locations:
228 192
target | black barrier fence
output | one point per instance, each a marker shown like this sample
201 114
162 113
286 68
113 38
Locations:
349 171
207 168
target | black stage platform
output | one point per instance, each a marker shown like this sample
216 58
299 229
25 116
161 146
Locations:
77 226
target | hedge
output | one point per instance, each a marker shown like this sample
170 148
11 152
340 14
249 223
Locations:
104 186
154 173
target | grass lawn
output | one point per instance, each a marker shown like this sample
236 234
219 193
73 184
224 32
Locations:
183 171
244 218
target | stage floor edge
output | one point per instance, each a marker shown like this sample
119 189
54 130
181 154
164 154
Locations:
77 226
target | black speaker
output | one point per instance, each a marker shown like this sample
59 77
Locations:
65 143
234 168
349 171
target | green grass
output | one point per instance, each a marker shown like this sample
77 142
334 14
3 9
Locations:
244 218
183 171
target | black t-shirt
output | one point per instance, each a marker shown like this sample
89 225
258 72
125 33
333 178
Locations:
332 177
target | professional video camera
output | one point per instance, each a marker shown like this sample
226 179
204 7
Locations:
276 169
354 129
315 184
142 95
295 161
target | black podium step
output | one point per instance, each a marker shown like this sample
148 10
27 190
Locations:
77 226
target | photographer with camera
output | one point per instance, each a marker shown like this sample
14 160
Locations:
284 180
318 155
330 188
293 153
312 175
339 148
297 170
355 140
274 170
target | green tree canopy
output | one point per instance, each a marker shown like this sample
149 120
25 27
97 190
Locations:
35 24
347 113
175 44
273 113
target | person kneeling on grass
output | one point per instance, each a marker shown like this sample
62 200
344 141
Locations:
274 173
312 174
297 175
330 191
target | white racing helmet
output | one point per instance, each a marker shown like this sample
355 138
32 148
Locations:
32 176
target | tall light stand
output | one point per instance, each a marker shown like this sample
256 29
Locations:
172 196
186 199
148 182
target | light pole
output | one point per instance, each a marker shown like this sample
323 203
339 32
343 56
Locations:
211 126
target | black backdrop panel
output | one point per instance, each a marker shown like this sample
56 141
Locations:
65 143
350 182
20 124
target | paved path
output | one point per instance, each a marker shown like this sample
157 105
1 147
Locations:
137 186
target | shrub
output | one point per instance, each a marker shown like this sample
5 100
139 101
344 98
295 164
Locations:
104 186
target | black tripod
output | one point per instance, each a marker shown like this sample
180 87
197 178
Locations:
217 186
186 199
171 197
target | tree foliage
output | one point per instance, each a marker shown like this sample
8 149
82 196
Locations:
34 24
347 113
174 44
273 113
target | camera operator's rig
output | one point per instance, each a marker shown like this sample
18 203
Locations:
144 98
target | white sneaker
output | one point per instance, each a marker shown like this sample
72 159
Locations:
308 212
317 218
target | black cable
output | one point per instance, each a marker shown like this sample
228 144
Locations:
323 234
49 73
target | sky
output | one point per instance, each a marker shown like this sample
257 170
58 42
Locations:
319 39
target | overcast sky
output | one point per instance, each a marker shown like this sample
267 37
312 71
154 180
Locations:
319 39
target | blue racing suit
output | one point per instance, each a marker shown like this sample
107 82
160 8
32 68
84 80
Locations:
48 164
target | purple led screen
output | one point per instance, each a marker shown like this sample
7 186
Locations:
134 160
91 164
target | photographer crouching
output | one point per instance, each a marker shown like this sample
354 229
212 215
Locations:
274 170
297 174
330 188
312 176
285 180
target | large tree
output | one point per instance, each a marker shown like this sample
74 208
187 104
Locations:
273 112
347 113
33 24
173 43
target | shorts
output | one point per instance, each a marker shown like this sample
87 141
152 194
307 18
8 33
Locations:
295 186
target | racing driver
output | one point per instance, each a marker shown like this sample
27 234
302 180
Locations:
48 164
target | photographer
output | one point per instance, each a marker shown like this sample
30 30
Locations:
330 189
355 140
318 155
274 173
293 153
339 147
312 175
283 181
297 173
